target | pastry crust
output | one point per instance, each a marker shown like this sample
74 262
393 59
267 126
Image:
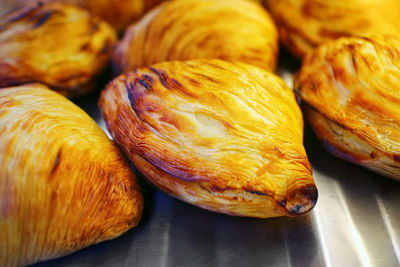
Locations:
118 13
305 24
351 89
59 45
63 184
235 30
223 136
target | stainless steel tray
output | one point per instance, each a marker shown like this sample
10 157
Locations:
356 222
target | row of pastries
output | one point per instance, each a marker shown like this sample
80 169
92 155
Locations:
194 105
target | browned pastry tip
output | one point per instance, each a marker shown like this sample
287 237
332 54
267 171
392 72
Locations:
305 24
223 136
64 184
235 30
349 89
62 46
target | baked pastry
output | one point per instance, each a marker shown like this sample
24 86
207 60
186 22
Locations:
118 13
223 136
305 24
350 92
235 30
59 45
63 184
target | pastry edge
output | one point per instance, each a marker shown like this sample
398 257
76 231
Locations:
231 201
343 144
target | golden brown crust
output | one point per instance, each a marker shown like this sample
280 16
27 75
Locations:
63 184
223 136
353 83
62 46
305 24
235 30
118 13
345 145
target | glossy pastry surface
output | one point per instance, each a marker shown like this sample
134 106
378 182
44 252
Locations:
59 45
305 24
235 30
64 184
118 13
223 136
350 88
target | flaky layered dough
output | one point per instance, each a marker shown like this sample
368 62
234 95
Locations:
235 30
223 136
305 24
351 91
118 13
63 184
62 46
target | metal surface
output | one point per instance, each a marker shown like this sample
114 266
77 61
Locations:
356 222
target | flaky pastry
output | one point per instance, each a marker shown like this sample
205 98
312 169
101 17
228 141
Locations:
118 13
223 136
305 24
350 91
235 30
59 45
63 184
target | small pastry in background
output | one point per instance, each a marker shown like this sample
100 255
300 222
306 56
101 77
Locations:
227 137
62 46
350 92
118 13
63 184
235 30
305 24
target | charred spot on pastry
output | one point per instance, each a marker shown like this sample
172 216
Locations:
215 188
396 158
42 18
302 200
165 80
145 84
56 162
161 75
255 192
130 86
282 202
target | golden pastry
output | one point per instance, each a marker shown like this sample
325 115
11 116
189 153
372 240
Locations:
63 184
118 13
235 30
350 88
305 24
223 136
59 45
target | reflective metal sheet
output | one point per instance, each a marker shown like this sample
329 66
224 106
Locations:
356 222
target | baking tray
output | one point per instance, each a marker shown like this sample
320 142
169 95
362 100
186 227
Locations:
356 222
